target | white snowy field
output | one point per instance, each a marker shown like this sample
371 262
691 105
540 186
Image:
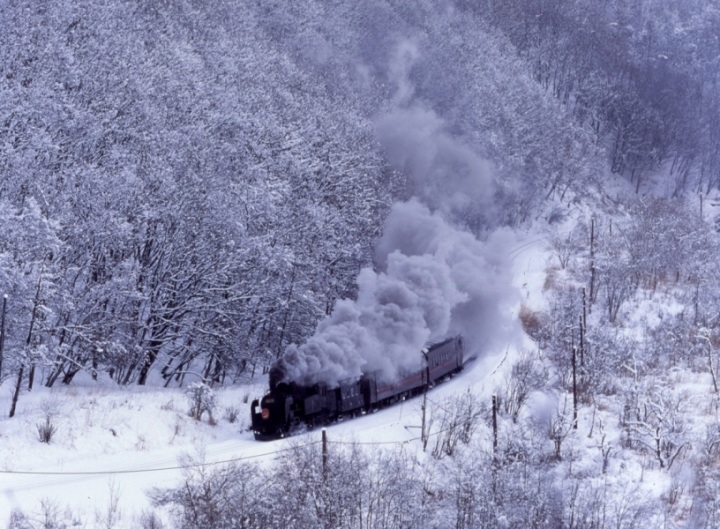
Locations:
113 444
108 442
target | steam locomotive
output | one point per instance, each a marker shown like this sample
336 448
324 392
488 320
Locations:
287 405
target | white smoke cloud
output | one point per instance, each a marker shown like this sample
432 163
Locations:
481 270
396 313
432 279
401 63
444 171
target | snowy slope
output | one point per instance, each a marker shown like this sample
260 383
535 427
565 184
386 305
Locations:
113 444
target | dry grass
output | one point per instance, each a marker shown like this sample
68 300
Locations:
531 321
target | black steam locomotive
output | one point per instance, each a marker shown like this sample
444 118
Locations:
287 405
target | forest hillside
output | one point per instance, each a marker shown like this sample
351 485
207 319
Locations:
188 189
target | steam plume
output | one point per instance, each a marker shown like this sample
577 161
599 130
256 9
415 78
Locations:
432 279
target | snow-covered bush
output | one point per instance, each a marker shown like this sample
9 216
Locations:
150 520
49 515
231 414
46 430
217 497
202 399
527 374
453 420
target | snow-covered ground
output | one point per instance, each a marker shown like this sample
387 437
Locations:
108 441
113 444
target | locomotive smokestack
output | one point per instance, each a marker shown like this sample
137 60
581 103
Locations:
277 374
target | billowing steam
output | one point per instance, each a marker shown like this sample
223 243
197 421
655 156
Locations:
432 279
445 174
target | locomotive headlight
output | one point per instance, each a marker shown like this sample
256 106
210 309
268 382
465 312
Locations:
265 413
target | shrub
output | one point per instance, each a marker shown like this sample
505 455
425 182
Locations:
46 430
231 414
202 399
150 520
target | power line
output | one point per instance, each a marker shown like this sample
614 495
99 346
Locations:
148 470
232 460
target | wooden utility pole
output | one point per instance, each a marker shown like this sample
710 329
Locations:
584 317
425 436
583 328
496 460
494 425
574 375
582 343
592 261
324 454
423 433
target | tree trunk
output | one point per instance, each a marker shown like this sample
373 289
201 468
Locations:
150 357
16 393
2 333
31 376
